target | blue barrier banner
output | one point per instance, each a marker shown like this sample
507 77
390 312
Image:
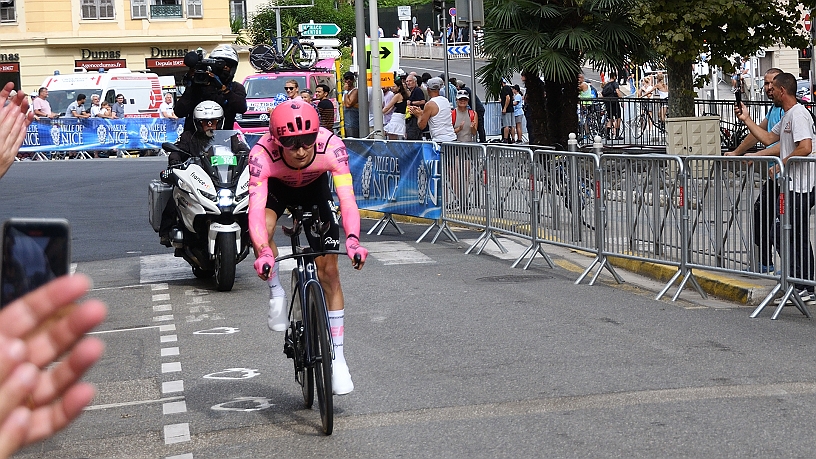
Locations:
100 134
396 177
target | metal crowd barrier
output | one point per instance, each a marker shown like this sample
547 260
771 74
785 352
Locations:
713 213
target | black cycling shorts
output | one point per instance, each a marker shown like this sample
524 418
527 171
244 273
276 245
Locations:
316 193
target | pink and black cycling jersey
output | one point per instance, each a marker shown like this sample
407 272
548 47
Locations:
266 161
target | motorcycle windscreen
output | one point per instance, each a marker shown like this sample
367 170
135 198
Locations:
224 155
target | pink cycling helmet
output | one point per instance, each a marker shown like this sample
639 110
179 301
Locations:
294 123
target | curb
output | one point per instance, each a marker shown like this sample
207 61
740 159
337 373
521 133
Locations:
730 288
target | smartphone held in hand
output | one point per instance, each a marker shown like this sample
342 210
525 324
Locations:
35 251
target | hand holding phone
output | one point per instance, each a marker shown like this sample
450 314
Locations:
34 252
738 97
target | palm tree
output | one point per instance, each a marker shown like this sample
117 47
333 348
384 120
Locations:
547 42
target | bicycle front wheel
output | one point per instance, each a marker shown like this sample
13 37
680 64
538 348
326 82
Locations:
304 56
304 374
320 344
639 126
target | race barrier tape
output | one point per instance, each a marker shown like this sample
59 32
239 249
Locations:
100 134
396 177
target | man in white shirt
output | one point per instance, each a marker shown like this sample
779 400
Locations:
41 106
795 134
166 108
436 114
95 107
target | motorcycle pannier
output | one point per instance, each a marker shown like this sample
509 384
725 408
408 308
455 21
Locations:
158 194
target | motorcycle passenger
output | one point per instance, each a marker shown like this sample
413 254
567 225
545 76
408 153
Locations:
288 167
208 115
219 87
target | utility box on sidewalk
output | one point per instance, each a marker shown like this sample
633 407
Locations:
698 135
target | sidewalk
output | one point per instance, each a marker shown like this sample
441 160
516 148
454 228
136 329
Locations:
726 290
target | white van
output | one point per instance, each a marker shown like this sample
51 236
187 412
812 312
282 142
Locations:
142 91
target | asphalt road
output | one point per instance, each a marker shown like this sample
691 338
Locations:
452 355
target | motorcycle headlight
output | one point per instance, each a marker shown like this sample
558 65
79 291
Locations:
209 196
225 198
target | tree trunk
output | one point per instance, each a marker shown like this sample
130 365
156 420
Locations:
562 103
681 96
535 109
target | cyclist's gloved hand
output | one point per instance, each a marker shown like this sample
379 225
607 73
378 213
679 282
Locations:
266 257
353 248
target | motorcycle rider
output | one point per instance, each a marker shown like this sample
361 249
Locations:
288 167
207 117
219 87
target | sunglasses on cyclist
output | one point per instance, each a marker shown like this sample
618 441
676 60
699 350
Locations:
213 122
289 88
297 142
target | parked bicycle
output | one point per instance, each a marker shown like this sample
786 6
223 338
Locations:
590 122
302 54
308 340
646 120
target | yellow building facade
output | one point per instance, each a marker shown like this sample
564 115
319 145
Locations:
40 37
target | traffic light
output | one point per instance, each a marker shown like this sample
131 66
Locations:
437 6
805 53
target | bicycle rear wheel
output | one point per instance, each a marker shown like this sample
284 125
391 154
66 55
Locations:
320 344
305 56
639 126
304 374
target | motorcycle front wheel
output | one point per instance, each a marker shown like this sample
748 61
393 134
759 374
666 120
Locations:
225 261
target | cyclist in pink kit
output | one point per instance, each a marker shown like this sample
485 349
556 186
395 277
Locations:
288 167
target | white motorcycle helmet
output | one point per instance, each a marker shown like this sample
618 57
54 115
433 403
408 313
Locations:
207 111
228 54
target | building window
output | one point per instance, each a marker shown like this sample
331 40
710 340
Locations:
194 9
97 9
138 9
238 11
166 9
7 11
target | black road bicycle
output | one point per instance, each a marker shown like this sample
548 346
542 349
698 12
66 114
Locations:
308 340
302 54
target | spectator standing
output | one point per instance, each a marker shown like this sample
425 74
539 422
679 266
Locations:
395 129
325 109
765 205
166 108
506 102
429 37
662 91
42 108
416 98
387 96
351 107
611 91
795 134
95 107
77 108
105 110
475 104
436 114
306 95
118 107
518 111
465 122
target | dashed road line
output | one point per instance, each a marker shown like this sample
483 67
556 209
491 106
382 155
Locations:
171 387
176 433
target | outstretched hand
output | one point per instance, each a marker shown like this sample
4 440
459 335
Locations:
14 119
40 395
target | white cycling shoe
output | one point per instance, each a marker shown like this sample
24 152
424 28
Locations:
277 319
341 379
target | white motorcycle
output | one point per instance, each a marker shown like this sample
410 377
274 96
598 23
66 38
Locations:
212 201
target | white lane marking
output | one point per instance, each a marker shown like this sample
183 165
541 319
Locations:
396 253
134 403
72 268
171 367
167 328
147 327
181 456
174 407
240 373
197 300
121 287
162 308
163 268
218 331
169 338
163 318
176 433
260 403
168 351
168 387
162 286
161 297
196 292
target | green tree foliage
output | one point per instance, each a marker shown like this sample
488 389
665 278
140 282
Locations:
547 42
682 30
323 11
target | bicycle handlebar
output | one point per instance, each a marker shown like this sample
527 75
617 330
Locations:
311 254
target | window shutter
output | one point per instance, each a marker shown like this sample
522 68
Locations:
194 9
138 9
